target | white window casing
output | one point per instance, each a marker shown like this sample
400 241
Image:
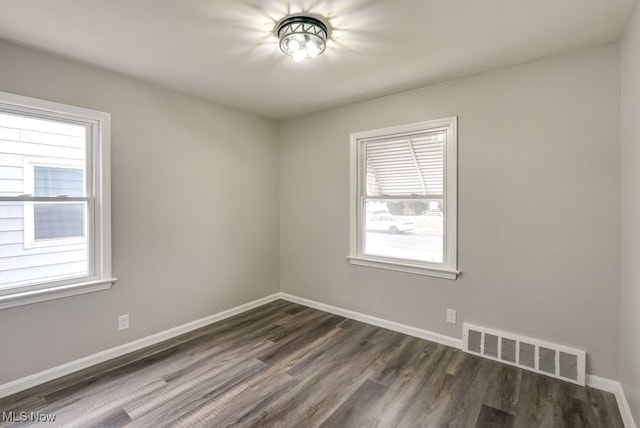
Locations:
96 165
414 163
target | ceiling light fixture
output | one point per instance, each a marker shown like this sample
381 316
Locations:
302 37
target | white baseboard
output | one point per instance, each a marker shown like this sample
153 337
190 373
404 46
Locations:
100 357
616 389
379 322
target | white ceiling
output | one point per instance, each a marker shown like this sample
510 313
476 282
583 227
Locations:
225 50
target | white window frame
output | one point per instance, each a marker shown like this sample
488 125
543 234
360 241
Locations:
29 189
449 268
98 181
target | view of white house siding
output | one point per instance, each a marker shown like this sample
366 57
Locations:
41 241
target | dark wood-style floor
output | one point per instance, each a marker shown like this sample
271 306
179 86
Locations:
286 365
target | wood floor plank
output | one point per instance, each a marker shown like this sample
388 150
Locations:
535 402
358 407
400 365
604 408
490 417
286 365
300 338
343 346
328 382
502 389
465 394
116 420
202 401
92 410
421 394
260 398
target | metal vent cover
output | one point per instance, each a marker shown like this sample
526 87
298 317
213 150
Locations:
530 354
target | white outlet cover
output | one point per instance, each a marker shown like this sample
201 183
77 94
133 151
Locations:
451 316
123 322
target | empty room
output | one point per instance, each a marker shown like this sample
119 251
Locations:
320 213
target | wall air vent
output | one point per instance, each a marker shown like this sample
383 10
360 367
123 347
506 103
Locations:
541 357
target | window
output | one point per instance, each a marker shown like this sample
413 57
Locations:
403 198
54 201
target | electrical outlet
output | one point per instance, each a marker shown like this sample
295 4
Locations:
123 322
451 316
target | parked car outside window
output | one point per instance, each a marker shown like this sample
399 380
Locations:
388 223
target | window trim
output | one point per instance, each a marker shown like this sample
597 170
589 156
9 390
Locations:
448 269
98 182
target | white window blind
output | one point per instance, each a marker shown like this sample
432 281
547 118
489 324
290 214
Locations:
405 167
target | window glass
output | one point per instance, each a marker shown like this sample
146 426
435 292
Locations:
61 220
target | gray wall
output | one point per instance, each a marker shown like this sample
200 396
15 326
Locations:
539 205
630 295
195 213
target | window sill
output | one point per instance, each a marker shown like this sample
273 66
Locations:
404 267
55 292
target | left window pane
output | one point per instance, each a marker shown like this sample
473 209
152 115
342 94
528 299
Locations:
42 241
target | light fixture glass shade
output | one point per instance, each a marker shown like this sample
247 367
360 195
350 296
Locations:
302 37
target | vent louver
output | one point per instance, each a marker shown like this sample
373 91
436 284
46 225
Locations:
541 357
